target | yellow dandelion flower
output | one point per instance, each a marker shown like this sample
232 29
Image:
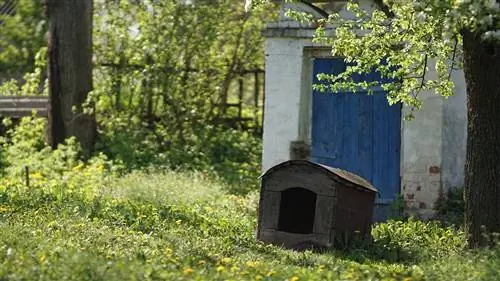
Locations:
220 268
252 263
168 252
188 270
294 278
258 277
77 167
37 176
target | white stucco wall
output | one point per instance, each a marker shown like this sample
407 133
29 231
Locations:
282 109
287 85
455 134
433 144
422 139
434 148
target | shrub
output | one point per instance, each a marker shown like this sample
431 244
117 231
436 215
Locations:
58 169
416 240
451 208
232 155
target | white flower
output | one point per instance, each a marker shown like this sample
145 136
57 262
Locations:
248 5
491 35
421 16
493 4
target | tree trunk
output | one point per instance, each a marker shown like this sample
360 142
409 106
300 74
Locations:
482 167
70 72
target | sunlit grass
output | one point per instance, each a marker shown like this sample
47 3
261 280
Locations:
166 225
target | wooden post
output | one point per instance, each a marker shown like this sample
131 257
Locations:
240 98
256 88
27 176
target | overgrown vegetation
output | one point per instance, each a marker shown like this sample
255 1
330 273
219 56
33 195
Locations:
170 193
451 207
162 225
21 36
163 76
161 97
95 221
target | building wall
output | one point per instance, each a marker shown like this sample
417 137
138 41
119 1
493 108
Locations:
282 109
455 134
434 147
421 156
433 143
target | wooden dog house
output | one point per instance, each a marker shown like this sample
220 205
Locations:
305 204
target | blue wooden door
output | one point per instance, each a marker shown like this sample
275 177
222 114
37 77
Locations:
359 133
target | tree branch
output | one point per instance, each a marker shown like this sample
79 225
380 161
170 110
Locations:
453 58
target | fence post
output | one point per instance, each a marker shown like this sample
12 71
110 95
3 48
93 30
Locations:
27 175
256 101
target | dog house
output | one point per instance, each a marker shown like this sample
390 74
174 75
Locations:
304 204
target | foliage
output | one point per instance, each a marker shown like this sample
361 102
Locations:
157 90
416 240
413 45
160 225
451 208
229 154
162 73
53 170
33 82
171 65
21 36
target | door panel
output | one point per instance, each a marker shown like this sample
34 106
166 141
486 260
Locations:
358 132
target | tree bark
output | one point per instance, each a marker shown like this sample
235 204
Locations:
482 167
70 72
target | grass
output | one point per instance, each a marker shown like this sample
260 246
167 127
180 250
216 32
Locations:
183 226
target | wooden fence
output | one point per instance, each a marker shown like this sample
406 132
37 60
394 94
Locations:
241 103
21 106
249 102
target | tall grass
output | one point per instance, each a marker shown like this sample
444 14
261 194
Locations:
164 225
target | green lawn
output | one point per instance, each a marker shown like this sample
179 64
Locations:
180 226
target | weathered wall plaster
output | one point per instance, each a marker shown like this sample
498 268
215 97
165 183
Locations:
284 84
455 134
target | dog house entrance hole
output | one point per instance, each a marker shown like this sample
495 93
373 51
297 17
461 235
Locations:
297 210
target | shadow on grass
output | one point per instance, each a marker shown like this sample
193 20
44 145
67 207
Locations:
404 241
365 252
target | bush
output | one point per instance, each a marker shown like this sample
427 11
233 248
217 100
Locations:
58 169
451 208
232 155
416 240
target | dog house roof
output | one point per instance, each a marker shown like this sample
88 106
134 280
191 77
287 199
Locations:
336 174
